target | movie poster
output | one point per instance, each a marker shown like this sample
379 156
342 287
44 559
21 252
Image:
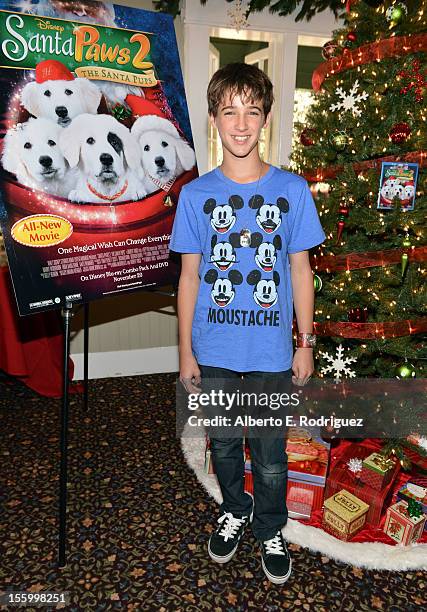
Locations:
398 185
96 146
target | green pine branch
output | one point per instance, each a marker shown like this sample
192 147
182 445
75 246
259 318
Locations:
281 7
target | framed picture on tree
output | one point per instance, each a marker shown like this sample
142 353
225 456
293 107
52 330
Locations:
398 184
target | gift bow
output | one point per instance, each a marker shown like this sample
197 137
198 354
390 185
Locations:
120 112
414 509
384 463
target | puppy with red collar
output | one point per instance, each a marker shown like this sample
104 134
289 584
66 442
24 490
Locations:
105 154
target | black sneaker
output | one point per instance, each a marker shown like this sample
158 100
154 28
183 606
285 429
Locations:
275 559
224 542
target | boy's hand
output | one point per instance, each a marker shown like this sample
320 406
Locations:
189 373
302 366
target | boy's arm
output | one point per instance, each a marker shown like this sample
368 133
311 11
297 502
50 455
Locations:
189 281
303 296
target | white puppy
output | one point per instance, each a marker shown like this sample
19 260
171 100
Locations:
31 151
164 154
105 152
61 100
408 192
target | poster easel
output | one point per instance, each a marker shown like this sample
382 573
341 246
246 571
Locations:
67 315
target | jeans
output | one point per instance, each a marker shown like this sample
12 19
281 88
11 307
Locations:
269 469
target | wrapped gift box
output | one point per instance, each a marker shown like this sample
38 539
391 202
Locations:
377 470
416 489
301 499
344 515
340 477
308 457
400 526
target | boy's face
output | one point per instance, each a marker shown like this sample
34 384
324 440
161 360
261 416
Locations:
239 123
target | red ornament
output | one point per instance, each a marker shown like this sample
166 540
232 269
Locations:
351 36
330 50
400 132
343 210
307 137
340 227
358 315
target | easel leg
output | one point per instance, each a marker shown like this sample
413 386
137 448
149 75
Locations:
86 357
67 314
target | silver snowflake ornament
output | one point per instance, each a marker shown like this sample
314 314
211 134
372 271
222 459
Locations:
349 100
338 364
354 465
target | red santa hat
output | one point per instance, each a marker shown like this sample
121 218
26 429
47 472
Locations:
52 70
141 107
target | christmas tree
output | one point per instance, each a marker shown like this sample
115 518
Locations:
370 272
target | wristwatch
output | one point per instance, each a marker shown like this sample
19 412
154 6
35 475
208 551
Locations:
306 340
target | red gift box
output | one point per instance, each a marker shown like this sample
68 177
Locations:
341 477
401 527
302 497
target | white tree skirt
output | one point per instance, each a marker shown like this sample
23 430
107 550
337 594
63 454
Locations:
372 555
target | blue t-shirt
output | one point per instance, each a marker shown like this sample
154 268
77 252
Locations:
244 232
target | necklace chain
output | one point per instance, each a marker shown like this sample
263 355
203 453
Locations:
245 234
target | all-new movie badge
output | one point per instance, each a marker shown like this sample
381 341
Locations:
41 230
94 156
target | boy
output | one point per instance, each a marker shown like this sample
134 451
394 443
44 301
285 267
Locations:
244 230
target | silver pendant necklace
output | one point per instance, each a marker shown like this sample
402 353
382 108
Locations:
245 233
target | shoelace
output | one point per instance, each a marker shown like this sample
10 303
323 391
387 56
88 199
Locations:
275 546
231 527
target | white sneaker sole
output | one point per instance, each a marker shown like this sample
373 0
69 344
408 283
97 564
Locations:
231 554
276 579
222 559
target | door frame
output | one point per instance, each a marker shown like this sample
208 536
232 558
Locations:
284 34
